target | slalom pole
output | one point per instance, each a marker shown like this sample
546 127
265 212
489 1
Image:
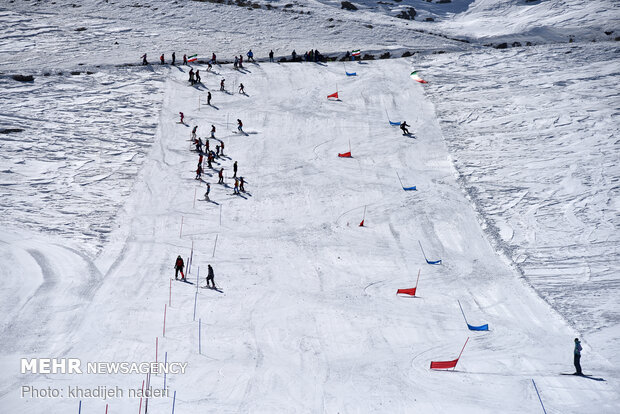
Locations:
199 331
197 278
80 407
416 282
457 360
388 116
215 244
106 409
165 309
191 259
539 399
173 401
364 216
421 248
462 312
401 181
165 363
170 294
195 300
349 144
140 408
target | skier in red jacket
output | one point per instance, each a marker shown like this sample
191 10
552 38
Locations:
178 267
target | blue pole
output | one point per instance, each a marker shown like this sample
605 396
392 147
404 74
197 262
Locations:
173 401
80 408
197 277
195 300
165 364
199 330
539 399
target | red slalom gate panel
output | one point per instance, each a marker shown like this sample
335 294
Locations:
362 223
333 95
410 291
444 364
345 155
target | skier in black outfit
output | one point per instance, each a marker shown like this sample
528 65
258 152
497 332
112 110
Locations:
209 98
191 76
577 357
174 57
271 55
210 276
178 267
144 62
403 127
235 170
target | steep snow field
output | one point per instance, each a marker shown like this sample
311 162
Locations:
537 153
513 153
308 319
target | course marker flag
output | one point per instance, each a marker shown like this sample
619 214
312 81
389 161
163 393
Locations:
410 291
448 364
333 95
414 75
431 262
412 188
345 155
351 73
192 58
484 327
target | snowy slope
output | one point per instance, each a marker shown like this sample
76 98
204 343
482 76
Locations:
308 320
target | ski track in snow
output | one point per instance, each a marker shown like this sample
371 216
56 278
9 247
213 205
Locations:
540 166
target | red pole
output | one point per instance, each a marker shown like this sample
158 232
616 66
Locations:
165 308
457 360
106 409
170 294
416 282
140 409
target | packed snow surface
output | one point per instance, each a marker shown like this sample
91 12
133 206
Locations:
513 153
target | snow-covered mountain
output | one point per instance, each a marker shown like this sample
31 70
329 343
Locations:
512 152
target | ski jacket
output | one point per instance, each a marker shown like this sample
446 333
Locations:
578 348
179 263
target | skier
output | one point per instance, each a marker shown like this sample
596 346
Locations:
174 57
403 127
271 56
347 55
212 131
209 98
199 172
194 132
161 59
217 151
144 62
185 59
213 60
191 76
210 159
222 84
241 182
182 116
250 56
236 64
241 89
239 125
200 159
577 357
240 61
198 76
235 170
207 192
209 67
317 55
199 145
210 276
178 267
207 149
221 176
294 55
222 147
236 189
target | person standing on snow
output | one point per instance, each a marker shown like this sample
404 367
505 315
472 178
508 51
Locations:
403 127
213 131
199 172
207 192
217 151
222 147
250 56
236 189
182 117
222 84
198 76
178 267
240 61
221 176
271 56
194 132
239 125
174 57
210 276
235 170
213 59
144 62
209 98
577 357
241 89
241 183
161 59
185 59
236 64
191 76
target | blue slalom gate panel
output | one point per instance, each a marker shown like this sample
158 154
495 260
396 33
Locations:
433 262
394 123
351 73
410 188
484 327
